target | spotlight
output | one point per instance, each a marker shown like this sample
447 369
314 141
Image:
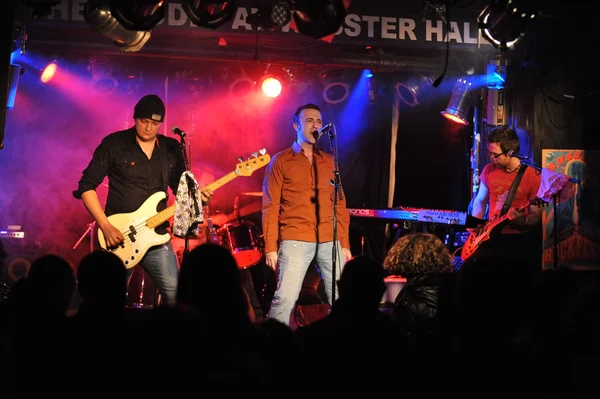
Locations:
272 16
240 85
208 13
40 8
103 82
271 86
504 22
335 88
138 15
48 72
410 90
319 18
460 102
98 15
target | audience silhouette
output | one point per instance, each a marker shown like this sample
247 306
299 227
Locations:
488 311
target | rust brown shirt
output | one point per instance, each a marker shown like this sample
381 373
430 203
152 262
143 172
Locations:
298 200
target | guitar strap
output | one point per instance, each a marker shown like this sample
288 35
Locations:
513 189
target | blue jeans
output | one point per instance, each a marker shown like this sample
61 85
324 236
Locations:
294 258
160 262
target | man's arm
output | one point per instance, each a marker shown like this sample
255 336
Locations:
271 201
92 176
112 235
480 201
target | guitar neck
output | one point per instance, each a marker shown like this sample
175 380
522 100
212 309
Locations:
167 213
505 216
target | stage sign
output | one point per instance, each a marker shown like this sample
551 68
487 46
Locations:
407 24
571 222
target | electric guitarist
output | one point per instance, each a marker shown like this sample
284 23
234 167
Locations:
519 237
139 163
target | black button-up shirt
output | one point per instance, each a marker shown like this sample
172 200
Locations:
132 176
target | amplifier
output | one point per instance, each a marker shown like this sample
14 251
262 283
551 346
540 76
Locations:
11 234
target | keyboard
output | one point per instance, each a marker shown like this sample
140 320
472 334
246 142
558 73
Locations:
412 214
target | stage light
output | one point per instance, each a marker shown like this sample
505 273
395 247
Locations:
103 82
272 16
496 107
141 15
271 86
460 102
207 13
48 72
98 15
503 23
319 18
413 88
336 88
240 85
495 75
14 73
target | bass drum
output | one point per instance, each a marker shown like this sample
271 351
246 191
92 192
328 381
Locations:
244 242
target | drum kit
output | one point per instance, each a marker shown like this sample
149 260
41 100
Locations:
241 236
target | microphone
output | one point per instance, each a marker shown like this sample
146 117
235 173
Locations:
513 154
178 131
323 130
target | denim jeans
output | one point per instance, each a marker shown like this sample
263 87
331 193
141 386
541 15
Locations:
294 258
161 264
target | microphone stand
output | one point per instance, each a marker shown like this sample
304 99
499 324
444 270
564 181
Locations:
90 231
554 208
338 195
192 190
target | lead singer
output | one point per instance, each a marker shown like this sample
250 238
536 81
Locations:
297 215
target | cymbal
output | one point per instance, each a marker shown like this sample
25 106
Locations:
253 193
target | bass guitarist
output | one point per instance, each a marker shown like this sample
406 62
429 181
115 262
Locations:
519 238
138 162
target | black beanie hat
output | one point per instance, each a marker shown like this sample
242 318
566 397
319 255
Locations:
149 107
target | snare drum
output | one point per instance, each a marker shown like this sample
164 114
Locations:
244 241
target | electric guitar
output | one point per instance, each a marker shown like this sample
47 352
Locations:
138 227
484 233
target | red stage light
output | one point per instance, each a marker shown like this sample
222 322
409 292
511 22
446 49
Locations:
48 72
271 87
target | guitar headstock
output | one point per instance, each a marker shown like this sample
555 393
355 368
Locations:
538 202
255 161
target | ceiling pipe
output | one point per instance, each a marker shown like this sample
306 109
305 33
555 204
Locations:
266 55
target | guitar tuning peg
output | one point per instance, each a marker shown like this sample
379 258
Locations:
255 154
263 151
240 159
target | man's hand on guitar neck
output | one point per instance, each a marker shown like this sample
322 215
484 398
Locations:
206 194
518 219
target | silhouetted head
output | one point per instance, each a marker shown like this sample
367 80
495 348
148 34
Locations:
102 278
209 282
50 284
362 281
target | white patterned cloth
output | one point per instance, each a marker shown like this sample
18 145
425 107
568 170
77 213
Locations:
188 212
553 183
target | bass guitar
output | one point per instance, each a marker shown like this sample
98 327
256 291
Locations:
481 234
138 227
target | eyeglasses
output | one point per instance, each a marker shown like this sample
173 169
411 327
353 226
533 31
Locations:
495 156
